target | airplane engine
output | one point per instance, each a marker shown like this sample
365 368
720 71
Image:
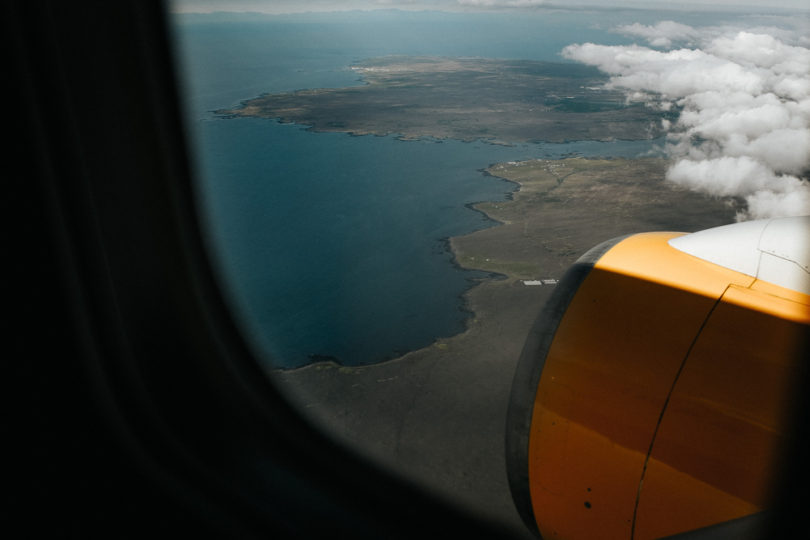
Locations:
654 391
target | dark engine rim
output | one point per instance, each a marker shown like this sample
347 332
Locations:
527 377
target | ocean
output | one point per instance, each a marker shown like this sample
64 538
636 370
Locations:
331 246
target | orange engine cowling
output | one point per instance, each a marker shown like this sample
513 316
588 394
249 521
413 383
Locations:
652 393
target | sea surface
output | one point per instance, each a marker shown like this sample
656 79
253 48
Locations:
331 246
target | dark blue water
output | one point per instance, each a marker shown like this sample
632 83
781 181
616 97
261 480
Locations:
330 245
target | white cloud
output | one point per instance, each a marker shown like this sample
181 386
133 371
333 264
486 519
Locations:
766 193
663 34
744 100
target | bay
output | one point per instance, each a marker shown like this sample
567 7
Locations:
334 246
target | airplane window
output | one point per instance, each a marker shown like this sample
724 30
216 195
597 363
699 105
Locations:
392 190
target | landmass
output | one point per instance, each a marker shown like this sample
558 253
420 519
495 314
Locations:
499 101
437 415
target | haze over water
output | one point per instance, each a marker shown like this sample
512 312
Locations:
335 246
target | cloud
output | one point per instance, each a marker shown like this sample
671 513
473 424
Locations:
767 194
744 101
663 34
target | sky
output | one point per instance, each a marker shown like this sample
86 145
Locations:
298 6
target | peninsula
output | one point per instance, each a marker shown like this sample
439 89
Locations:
499 101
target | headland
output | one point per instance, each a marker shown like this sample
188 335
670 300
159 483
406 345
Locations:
498 101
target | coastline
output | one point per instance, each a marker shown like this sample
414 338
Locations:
436 416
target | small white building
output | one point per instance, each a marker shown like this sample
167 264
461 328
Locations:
536 282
